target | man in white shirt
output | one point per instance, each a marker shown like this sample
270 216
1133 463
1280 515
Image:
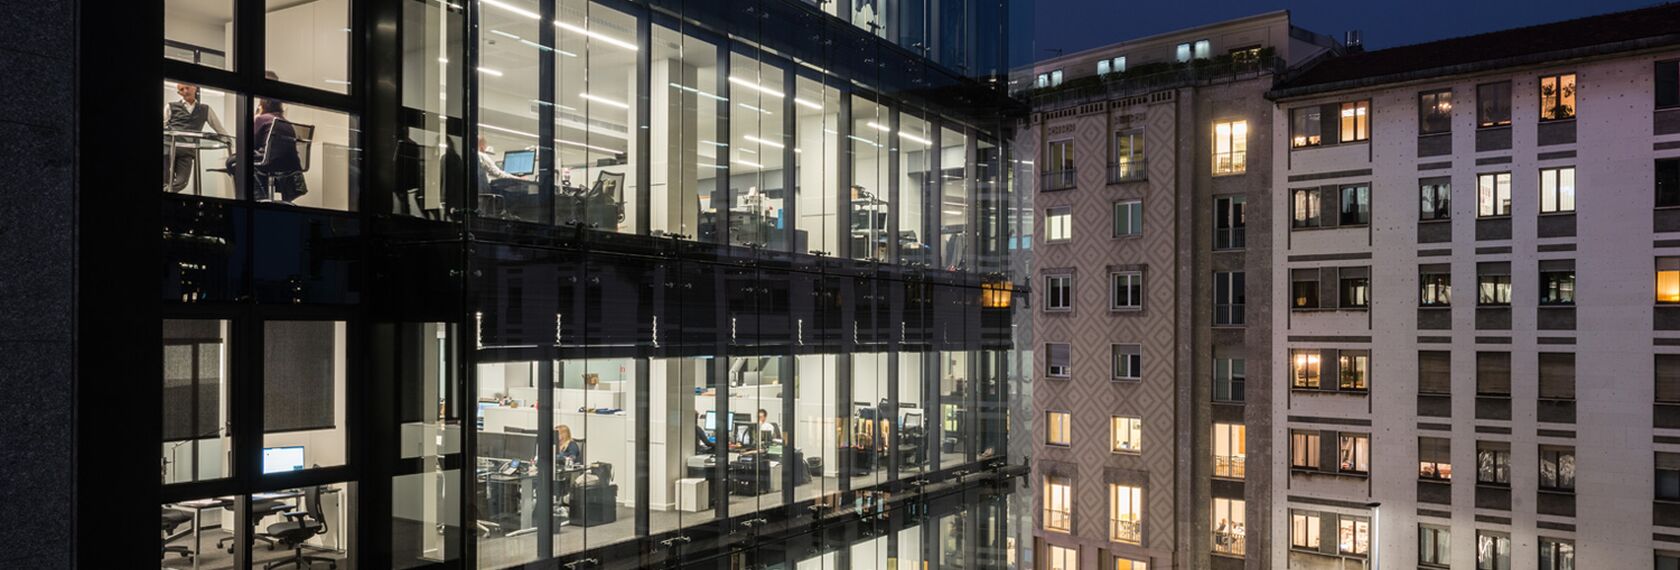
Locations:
186 115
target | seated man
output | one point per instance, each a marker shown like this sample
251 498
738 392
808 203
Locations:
767 432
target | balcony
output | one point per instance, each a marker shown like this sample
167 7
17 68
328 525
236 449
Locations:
1128 531
1059 180
1229 541
1127 170
1155 77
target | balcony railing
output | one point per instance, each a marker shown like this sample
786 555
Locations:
1230 541
1059 180
1128 531
1127 170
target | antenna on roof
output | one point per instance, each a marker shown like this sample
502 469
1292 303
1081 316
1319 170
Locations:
1354 40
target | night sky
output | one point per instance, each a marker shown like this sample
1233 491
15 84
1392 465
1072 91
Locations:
1073 25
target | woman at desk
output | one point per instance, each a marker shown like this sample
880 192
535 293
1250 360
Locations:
567 451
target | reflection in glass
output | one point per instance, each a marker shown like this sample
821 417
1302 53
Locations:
594 109
870 196
954 232
915 170
308 43
304 156
757 186
817 132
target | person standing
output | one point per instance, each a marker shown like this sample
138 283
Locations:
188 114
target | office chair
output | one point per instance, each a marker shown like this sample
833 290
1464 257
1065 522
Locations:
260 508
173 519
298 528
608 192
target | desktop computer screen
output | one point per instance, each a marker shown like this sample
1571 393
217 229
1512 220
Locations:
279 459
711 421
519 162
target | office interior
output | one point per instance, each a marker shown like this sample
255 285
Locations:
604 117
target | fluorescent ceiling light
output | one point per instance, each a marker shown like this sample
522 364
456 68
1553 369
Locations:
512 8
878 127
752 108
698 92
507 130
914 138
754 85
505 34
594 34
604 100
807 104
864 141
715 143
747 163
489 71
588 146
763 142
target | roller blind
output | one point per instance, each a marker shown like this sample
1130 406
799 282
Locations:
1557 375
1493 373
1434 372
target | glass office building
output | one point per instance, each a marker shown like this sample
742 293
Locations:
596 283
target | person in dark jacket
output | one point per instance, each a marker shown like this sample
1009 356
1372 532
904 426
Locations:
274 152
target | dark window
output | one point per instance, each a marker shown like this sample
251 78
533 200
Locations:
1354 367
1436 200
1435 289
1356 205
1557 375
1128 218
1434 545
1668 476
1556 554
1668 561
1126 290
1557 97
1056 360
1229 377
1493 374
1228 298
1493 462
1306 124
1058 292
1557 287
1355 290
1668 182
1434 458
1434 372
1668 84
1557 468
1303 289
1668 378
1308 209
1128 361
1435 112
1493 104
1229 222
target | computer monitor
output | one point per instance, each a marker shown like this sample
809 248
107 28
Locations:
485 406
519 162
281 459
711 421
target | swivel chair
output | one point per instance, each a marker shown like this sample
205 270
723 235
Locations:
268 178
259 508
297 529
173 519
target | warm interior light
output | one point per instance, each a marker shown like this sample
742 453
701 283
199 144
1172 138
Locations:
1668 286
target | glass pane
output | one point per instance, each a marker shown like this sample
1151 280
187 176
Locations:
197 534
915 185
303 527
954 200
684 140
595 91
425 518
308 43
757 153
430 144
303 395
430 415
870 195
817 133
196 441
505 456
199 32
305 156
196 141
507 150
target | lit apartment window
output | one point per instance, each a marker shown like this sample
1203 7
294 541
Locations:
1493 551
1356 121
1181 52
1102 67
1556 554
1436 203
1230 222
1557 286
1058 224
1668 182
1435 458
1355 369
1059 171
1060 558
1125 290
1557 97
1127 434
1493 194
1129 564
1557 190
1308 208
1229 298
1061 429
1434 546
1128 218
1668 280
1304 530
1119 65
1055 77
1435 112
1557 468
1042 81
1493 104
1229 379
1353 536
1230 449
1056 360
1204 49
1125 514
1353 453
1355 287
1058 292
1230 526
1304 450
1493 284
1306 126
1230 147
1304 367
1251 53
1668 476
1128 361
1435 287
1668 84
1128 157
1058 504
1493 463
1303 288
1356 206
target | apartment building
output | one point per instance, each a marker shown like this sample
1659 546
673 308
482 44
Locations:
1151 301
1478 262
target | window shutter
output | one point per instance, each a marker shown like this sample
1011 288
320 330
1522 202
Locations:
1493 373
1435 449
1668 378
1557 375
1434 372
1668 461
1058 354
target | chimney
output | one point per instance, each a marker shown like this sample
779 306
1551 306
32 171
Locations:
1354 41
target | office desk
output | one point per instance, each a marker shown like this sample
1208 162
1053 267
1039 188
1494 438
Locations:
195 141
198 506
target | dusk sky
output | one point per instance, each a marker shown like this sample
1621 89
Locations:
1072 25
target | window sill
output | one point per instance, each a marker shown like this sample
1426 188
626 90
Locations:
1556 214
1434 221
1228 174
1057 311
1505 125
1128 237
1347 474
1365 392
1434 307
1126 452
1329 228
1554 121
1556 492
1423 135
1231 402
1494 217
1054 377
1329 309
1230 326
1557 305
1436 481
1493 305
1230 249
1125 309
1496 486
1126 380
